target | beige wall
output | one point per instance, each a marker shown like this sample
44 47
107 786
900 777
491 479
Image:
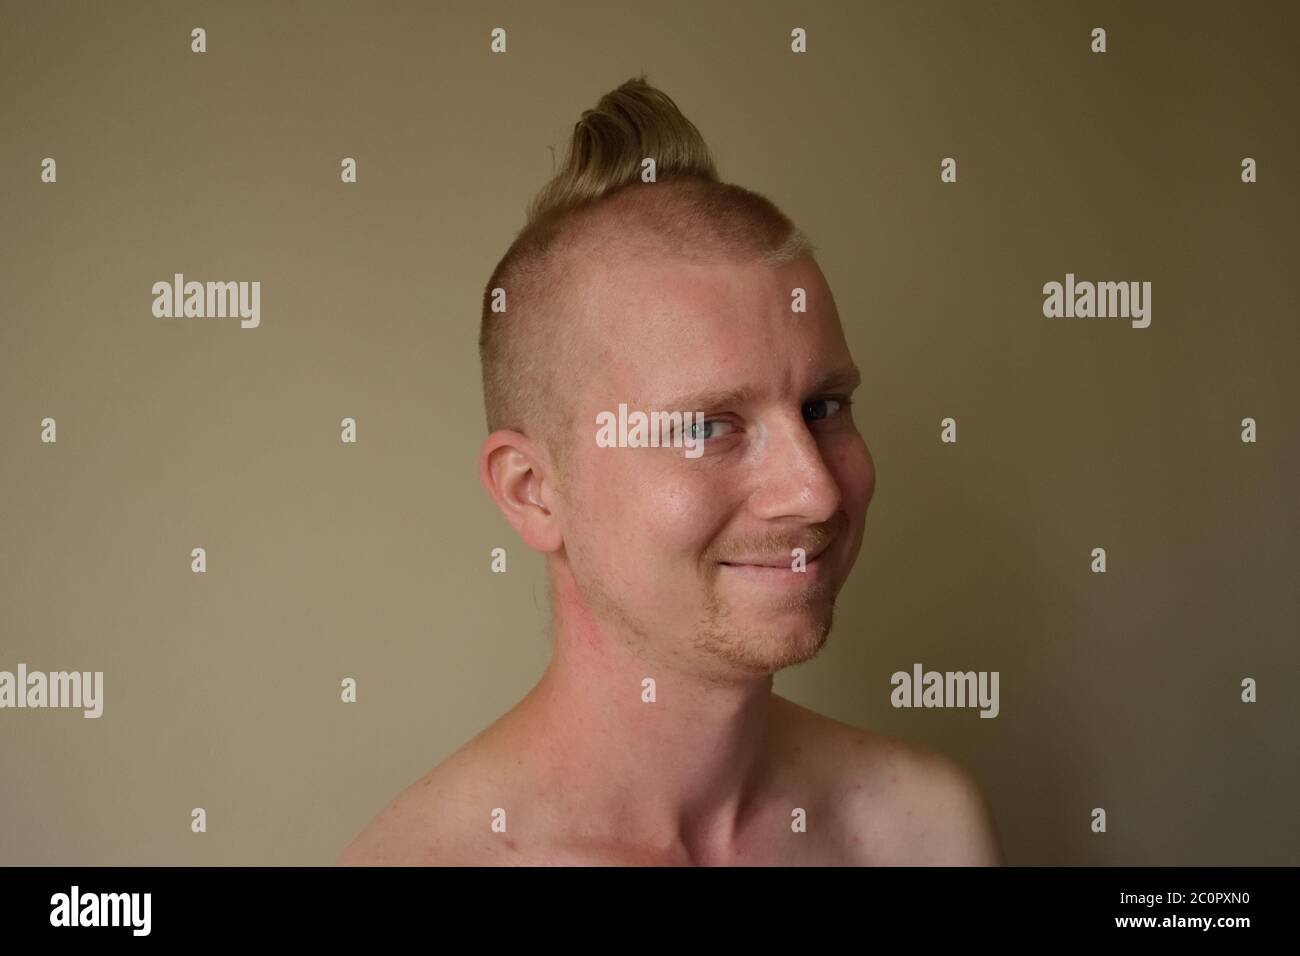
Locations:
1118 690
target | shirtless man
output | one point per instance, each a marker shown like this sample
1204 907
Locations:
653 737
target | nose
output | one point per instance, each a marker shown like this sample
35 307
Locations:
794 480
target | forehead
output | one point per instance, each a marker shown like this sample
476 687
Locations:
655 326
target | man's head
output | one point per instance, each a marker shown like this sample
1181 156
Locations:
674 296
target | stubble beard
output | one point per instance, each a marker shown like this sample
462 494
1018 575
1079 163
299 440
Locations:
720 640
765 648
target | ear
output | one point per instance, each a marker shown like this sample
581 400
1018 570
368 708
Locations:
516 473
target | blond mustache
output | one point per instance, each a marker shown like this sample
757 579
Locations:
812 538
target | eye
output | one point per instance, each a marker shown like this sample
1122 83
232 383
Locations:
715 428
822 408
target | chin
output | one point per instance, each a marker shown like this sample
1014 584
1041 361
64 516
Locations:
778 640
793 650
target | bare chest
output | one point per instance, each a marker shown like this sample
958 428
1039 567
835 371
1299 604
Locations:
771 841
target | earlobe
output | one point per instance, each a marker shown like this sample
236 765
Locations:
514 472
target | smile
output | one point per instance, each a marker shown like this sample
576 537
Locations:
767 573
775 563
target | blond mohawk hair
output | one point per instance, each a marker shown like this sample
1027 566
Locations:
597 205
609 143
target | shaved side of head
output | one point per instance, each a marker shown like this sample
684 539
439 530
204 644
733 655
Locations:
592 215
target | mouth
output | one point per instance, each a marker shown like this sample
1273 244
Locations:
765 583
778 573
777 562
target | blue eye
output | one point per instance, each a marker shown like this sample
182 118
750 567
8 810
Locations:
709 430
815 411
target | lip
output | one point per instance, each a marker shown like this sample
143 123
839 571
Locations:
777 564
779 575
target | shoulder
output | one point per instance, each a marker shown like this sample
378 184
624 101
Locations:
439 820
898 803
941 816
406 832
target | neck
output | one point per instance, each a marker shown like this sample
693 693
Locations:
675 774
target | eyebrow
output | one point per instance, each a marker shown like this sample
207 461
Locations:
704 401
844 380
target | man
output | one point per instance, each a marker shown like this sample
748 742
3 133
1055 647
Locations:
684 574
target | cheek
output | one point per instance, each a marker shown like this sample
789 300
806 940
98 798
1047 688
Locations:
855 472
602 512
685 511
633 509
